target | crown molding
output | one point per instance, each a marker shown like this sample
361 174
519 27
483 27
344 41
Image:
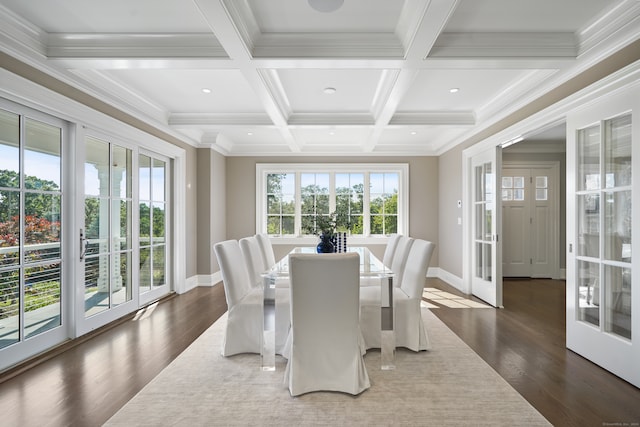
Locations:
321 45
135 45
503 45
244 22
331 119
21 33
182 120
434 118
272 82
623 18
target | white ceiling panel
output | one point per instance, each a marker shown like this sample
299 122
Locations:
298 16
181 91
113 16
431 90
344 136
525 16
354 89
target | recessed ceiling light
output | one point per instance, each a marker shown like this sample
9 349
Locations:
249 133
325 6
332 133
413 132
206 90
329 90
454 89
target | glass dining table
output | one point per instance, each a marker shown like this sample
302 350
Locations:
372 273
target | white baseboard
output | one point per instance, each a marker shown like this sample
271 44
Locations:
210 279
206 280
451 279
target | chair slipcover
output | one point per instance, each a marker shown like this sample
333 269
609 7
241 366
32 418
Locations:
252 255
325 346
244 329
268 256
400 255
387 258
399 259
408 325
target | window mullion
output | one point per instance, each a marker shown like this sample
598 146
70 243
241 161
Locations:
298 204
332 192
366 219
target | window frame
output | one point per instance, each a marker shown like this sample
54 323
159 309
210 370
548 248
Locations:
264 169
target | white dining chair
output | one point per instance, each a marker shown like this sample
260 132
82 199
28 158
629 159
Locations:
387 258
268 256
245 326
395 255
325 348
409 327
243 333
253 259
399 261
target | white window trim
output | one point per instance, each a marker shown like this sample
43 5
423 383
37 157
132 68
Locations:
263 169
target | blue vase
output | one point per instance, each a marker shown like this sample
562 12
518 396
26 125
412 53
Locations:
325 246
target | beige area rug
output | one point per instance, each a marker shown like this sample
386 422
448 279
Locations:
449 385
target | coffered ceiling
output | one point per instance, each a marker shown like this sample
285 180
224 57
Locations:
374 77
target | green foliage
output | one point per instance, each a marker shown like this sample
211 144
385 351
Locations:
145 221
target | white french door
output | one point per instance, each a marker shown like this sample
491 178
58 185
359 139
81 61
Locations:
153 231
123 237
603 168
486 263
34 255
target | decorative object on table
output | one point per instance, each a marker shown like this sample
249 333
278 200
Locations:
332 230
340 241
326 245
325 229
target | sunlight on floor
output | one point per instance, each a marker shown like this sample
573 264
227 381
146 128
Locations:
449 300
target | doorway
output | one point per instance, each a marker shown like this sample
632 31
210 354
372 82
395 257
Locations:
530 219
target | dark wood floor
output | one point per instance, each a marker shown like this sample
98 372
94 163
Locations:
85 384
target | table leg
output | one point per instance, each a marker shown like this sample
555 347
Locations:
388 336
268 349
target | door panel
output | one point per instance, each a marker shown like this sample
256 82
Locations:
530 219
603 322
516 225
486 282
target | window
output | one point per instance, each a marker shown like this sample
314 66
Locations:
513 188
363 199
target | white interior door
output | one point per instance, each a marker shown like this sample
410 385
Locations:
603 168
486 275
516 222
530 220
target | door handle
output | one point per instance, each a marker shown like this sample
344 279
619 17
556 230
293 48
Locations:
84 242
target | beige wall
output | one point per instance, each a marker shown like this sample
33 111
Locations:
423 193
450 233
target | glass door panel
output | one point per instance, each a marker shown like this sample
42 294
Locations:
152 182
604 225
108 201
30 227
486 258
601 299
